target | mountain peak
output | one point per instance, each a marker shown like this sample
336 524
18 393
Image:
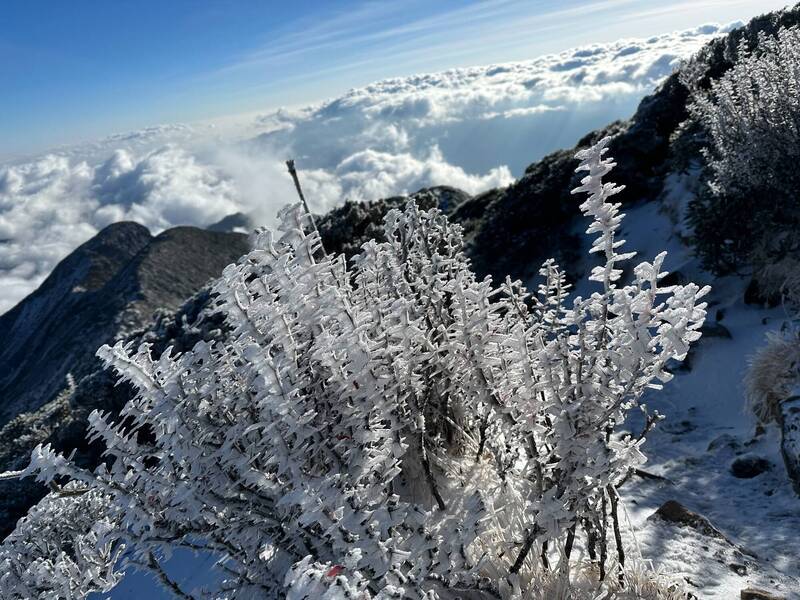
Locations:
109 285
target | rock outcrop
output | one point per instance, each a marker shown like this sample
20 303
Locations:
110 285
107 289
790 439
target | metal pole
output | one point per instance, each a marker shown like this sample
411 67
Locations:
293 173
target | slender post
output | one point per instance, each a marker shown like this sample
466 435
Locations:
293 173
614 499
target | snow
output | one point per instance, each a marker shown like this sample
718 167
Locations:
192 572
705 429
705 406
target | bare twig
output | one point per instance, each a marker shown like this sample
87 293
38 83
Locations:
526 548
426 465
614 499
11 475
168 583
482 430
545 560
591 538
603 538
570 540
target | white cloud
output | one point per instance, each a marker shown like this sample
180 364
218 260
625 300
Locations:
469 127
166 187
50 205
482 117
372 174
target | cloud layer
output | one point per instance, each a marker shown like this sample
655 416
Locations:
474 128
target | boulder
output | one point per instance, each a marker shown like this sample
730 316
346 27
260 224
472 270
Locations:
673 511
749 466
754 594
790 439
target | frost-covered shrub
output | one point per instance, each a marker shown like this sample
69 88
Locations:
62 549
751 210
773 373
400 430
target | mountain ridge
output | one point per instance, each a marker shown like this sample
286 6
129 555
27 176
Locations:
108 286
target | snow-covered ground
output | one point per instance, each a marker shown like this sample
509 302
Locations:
706 428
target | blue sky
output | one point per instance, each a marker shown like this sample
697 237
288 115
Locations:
74 71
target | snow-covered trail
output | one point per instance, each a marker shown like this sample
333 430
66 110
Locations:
706 428
704 432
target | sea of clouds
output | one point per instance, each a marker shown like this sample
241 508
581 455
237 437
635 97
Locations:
473 128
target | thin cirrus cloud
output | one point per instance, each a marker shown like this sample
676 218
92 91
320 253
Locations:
474 128
487 21
355 46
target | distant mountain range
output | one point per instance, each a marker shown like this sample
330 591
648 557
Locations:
106 288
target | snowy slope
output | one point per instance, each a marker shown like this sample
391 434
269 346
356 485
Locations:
705 430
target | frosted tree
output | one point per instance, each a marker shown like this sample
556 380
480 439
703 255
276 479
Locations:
750 216
751 115
398 430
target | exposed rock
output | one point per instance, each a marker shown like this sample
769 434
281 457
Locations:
754 594
675 512
715 330
346 228
109 286
47 334
747 467
235 223
511 231
790 439
447 198
740 570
